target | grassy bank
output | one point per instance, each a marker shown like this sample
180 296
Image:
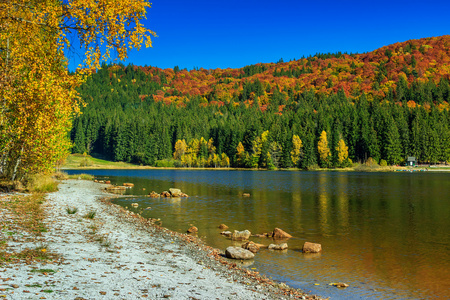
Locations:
80 161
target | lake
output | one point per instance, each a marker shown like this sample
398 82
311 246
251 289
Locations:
387 235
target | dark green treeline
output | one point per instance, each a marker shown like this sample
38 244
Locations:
121 125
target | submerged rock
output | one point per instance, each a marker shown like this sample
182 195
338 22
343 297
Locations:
238 253
263 235
226 233
116 189
245 195
240 235
278 247
311 247
339 284
134 204
223 226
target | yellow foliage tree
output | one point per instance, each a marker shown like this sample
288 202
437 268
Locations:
342 153
324 150
296 152
240 155
180 149
38 96
225 161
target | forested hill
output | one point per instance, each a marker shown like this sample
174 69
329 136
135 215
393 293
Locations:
387 104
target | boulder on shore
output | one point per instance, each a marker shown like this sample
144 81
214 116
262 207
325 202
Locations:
311 247
238 253
280 234
278 247
240 235
251 246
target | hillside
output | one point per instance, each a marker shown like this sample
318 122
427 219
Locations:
374 73
387 104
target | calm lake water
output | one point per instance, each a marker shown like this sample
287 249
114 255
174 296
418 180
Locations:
387 235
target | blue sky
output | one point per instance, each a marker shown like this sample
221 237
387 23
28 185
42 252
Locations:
221 34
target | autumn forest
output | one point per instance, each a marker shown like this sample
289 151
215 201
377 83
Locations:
326 110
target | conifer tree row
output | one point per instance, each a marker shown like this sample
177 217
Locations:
131 117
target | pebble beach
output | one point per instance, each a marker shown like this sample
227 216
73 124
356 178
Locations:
119 255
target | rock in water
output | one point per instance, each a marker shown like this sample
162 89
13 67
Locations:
192 229
223 226
226 233
278 247
311 247
280 234
175 192
241 235
238 253
339 284
134 204
153 194
127 184
166 194
251 246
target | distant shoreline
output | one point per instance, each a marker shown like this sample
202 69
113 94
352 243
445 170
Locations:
352 169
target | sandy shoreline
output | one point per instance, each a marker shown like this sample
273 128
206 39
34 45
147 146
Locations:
119 255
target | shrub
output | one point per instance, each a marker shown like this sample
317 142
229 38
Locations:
39 183
60 175
165 163
383 163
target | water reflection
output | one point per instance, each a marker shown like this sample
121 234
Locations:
384 234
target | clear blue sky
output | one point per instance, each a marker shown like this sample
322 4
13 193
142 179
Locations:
220 34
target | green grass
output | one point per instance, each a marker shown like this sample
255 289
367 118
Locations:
71 210
82 176
78 161
41 184
90 215
43 271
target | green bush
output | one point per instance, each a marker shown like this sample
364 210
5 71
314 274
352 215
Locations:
165 163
